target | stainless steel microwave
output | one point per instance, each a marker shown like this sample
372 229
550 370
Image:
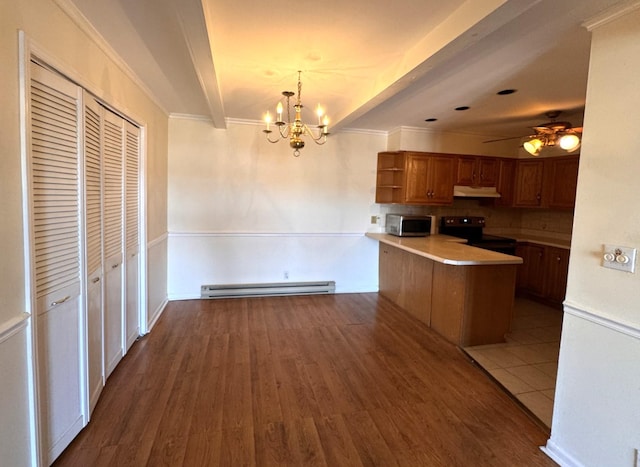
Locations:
403 225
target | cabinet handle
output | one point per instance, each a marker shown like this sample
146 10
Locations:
538 197
59 302
115 265
558 259
95 279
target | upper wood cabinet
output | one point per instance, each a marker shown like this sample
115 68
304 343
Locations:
506 182
529 187
414 178
563 178
546 183
476 171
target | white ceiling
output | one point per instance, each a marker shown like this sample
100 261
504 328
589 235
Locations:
372 64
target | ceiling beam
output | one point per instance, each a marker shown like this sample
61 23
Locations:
192 19
469 24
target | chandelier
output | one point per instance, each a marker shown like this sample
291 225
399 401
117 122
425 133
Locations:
294 130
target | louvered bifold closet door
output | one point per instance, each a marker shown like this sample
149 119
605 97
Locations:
93 245
54 225
132 216
112 153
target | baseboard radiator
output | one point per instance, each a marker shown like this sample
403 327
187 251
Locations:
272 289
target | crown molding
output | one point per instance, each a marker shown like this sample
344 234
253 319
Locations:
76 16
200 118
430 131
611 14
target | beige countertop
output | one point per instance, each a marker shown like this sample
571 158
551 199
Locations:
446 249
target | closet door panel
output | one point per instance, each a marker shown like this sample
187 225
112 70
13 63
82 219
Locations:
59 370
132 215
112 150
54 226
93 247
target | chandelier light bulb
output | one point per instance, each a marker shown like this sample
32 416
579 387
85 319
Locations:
267 119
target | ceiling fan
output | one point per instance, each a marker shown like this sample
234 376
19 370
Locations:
549 134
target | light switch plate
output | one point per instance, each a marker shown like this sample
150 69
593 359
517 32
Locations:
621 258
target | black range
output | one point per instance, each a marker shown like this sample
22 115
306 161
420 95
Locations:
470 228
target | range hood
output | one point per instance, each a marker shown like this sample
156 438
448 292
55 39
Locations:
461 191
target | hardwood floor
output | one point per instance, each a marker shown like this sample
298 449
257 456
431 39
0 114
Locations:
335 380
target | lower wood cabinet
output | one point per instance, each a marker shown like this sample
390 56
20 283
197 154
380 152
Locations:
467 305
543 273
557 269
405 279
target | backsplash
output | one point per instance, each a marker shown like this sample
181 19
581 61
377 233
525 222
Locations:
506 221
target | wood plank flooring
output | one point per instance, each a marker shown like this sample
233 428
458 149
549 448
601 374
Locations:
326 380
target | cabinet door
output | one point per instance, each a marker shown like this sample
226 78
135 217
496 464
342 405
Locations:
563 183
505 182
416 168
390 269
522 250
405 279
487 171
532 272
528 189
440 174
557 268
536 268
466 171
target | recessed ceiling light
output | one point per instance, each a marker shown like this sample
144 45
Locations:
430 119
506 92
464 107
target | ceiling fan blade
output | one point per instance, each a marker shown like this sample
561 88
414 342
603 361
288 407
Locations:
503 139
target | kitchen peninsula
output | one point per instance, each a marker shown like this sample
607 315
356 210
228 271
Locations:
463 293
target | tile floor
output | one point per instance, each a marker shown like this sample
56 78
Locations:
527 364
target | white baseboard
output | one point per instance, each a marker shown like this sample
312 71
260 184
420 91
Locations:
156 314
559 456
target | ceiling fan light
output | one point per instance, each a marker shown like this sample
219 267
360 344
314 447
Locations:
569 142
533 146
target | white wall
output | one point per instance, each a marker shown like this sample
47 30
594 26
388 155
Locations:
14 395
242 210
596 417
69 48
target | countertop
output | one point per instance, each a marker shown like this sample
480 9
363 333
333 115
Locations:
446 249
558 243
